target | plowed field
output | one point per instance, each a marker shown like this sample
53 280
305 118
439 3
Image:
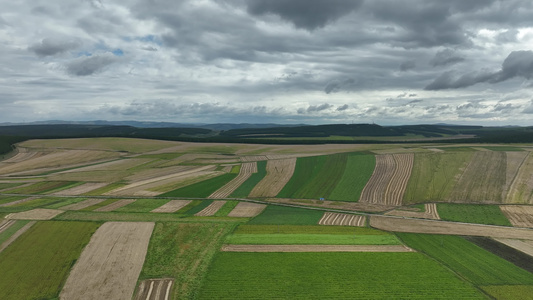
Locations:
171 206
246 210
519 216
154 289
115 205
211 209
429 213
342 219
247 169
521 189
279 172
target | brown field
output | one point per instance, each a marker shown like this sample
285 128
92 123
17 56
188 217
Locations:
154 289
342 219
523 246
81 189
171 206
245 172
430 213
353 206
211 209
103 144
116 165
399 224
521 189
388 181
22 155
17 201
482 181
110 264
19 232
5 224
253 158
519 216
83 204
316 248
514 159
35 214
115 205
279 172
246 210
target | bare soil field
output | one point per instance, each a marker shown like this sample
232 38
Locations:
514 159
247 210
354 206
430 213
279 172
110 264
35 214
81 189
396 187
398 224
18 201
518 215
342 219
83 204
22 155
211 209
12 238
115 205
102 144
247 169
116 165
523 246
171 206
521 188
154 289
316 248
5 224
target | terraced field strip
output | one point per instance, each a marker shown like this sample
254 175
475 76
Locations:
523 246
247 210
451 228
374 190
279 172
247 169
18 201
22 155
521 188
316 248
431 209
5 224
35 214
171 206
81 189
211 209
398 182
338 219
12 238
83 204
110 264
519 216
116 205
154 289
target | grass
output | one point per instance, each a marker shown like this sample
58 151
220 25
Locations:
183 252
7 199
356 174
468 260
7 185
201 204
311 239
226 208
246 187
510 292
201 189
503 148
36 265
274 214
434 175
98 205
141 217
333 275
315 177
6 234
472 213
143 205
308 229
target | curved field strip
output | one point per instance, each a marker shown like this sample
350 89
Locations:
110 264
211 209
434 175
429 213
357 172
279 172
22 155
172 206
246 210
342 219
316 248
5 224
247 169
396 187
115 205
374 190
483 180
521 189
519 216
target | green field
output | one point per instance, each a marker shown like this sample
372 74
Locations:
309 229
143 205
356 174
434 175
141 217
105 189
44 187
246 187
510 292
468 260
64 202
37 264
226 209
503 148
274 214
38 202
311 239
98 205
7 199
472 213
195 207
183 252
6 234
201 189
332 275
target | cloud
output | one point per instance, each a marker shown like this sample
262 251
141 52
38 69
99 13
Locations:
314 108
85 66
306 14
407 65
343 107
517 64
446 57
50 46
336 85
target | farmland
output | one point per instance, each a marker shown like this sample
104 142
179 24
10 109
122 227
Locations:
471 213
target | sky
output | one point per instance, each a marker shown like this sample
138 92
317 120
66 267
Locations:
268 61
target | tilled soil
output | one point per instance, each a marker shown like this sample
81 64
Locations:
246 210
83 204
518 215
211 209
82 189
430 213
171 206
342 219
510 254
115 205
279 172
523 246
35 214
154 289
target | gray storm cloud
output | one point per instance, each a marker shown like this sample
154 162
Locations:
50 46
85 66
